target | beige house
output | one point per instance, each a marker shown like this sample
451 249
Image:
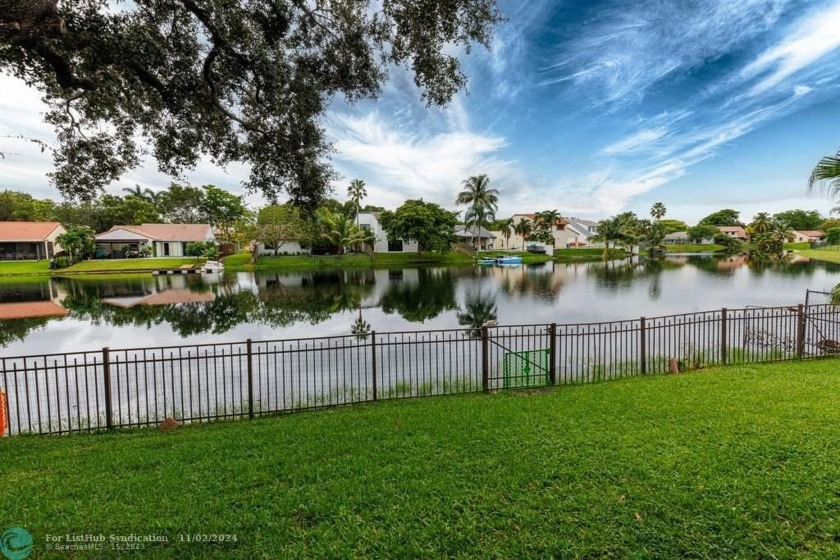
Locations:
165 240
734 231
29 241
808 236
560 231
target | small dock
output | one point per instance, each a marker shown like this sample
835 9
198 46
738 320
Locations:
185 269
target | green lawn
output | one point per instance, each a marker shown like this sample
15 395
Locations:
738 462
128 265
830 254
242 261
694 248
10 268
587 254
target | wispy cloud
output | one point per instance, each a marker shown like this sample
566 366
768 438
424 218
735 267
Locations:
809 40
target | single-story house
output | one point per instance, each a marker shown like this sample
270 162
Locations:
165 240
734 231
477 237
31 241
808 236
369 221
682 238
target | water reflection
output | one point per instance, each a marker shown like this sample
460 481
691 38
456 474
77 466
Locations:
42 312
479 308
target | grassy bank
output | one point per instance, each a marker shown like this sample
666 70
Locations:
735 462
24 268
828 254
694 248
587 254
243 261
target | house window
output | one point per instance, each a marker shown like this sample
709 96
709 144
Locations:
395 245
366 227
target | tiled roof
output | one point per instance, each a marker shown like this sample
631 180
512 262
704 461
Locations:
562 221
472 231
812 233
30 310
26 231
167 232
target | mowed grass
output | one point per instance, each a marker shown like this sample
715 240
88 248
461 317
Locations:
24 267
693 248
242 261
738 462
128 265
829 254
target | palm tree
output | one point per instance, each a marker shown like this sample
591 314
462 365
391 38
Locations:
524 229
827 175
658 211
546 220
356 191
762 222
474 219
609 231
341 232
477 193
507 230
143 194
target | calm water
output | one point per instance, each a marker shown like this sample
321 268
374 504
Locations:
154 311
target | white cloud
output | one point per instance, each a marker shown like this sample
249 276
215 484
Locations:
397 165
811 39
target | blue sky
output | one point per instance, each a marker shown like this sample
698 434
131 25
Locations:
589 108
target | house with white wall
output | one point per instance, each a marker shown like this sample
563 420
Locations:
165 240
369 221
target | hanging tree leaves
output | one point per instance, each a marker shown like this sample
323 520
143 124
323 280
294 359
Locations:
239 81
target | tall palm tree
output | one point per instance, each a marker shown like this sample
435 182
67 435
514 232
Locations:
356 191
474 219
524 229
658 211
507 230
477 193
546 220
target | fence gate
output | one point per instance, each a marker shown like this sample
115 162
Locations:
821 325
519 357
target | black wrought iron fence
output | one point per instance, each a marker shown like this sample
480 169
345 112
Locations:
112 388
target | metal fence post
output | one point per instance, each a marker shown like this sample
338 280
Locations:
485 352
643 345
109 407
250 379
800 331
552 354
373 361
723 336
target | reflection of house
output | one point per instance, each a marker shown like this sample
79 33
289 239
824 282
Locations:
168 297
31 310
731 263
477 237
808 236
166 240
682 238
736 232
31 300
29 240
369 221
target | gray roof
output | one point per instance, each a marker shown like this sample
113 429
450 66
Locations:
677 235
472 231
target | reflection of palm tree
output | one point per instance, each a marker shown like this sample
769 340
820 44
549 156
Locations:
360 328
479 309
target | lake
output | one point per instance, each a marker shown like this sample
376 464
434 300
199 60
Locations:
68 315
